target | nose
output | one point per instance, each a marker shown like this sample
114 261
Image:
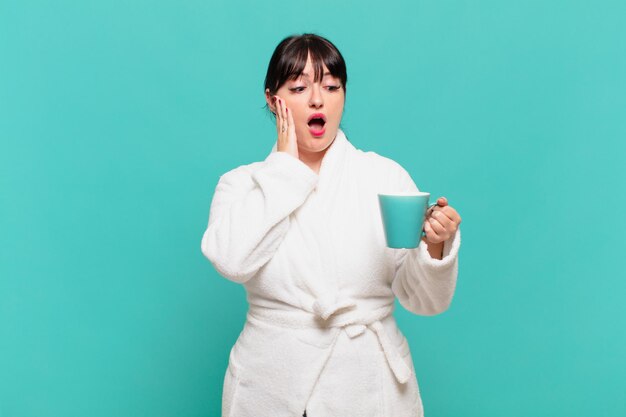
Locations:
316 97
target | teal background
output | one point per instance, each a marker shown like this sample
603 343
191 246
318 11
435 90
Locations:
118 117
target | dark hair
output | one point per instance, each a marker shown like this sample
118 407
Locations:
290 56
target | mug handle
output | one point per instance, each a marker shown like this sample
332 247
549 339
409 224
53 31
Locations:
430 206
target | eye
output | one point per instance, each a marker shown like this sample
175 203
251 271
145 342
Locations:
333 87
297 89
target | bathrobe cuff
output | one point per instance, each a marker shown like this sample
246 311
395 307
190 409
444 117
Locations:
450 254
425 285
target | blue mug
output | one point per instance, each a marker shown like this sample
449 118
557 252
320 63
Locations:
403 216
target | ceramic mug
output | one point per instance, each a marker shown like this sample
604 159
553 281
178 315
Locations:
403 216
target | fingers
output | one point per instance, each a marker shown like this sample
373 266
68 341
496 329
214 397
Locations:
285 126
279 116
446 209
276 113
281 106
440 202
281 119
431 234
439 223
450 213
292 125
442 213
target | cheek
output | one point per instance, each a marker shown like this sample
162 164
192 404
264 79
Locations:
337 108
296 111
337 116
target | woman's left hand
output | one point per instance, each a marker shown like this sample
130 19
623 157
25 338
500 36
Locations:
442 222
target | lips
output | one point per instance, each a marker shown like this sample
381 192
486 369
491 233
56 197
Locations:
316 123
317 119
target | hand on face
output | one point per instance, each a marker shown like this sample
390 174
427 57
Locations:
442 222
286 128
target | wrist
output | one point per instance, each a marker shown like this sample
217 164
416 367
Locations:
434 249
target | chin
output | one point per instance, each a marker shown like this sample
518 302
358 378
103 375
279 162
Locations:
317 144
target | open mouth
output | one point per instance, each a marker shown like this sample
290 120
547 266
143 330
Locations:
316 123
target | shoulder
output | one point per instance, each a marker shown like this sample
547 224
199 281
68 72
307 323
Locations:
246 169
380 164
240 175
387 173
275 166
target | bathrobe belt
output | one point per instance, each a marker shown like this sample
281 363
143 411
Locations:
339 311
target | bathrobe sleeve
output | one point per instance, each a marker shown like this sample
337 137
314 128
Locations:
249 214
425 285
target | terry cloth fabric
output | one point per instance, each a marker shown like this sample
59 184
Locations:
320 282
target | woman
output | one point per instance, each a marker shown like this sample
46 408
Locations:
301 231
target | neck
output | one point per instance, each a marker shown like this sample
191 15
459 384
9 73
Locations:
312 159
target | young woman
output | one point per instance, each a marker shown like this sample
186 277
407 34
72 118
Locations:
301 230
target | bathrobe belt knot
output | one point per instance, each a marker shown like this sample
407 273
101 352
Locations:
355 324
328 304
339 311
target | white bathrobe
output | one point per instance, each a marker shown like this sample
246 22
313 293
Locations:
310 250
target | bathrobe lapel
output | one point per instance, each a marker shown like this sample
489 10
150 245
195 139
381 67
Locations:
317 224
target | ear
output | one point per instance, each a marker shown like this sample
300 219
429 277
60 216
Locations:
270 102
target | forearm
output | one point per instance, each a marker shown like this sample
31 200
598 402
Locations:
425 280
249 214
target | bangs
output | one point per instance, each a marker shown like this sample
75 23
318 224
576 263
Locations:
294 68
290 57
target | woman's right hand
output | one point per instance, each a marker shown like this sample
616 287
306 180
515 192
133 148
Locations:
286 129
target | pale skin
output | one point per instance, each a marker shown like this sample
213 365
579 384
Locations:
440 225
292 104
